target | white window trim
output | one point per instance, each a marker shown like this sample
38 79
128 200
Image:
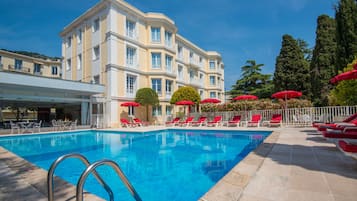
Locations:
93 23
156 67
94 56
79 61
136 64
137 83
151 38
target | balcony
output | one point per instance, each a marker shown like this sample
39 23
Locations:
195 83
20 69
195 64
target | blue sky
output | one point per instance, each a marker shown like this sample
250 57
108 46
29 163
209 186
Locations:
238 29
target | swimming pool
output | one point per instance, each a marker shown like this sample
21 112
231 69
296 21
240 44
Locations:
162 165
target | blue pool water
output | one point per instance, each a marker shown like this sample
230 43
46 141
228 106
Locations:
164 165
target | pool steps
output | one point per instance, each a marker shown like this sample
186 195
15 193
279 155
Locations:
90 169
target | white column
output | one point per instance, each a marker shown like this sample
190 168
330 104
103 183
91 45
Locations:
84 113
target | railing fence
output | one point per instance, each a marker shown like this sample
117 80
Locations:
291 116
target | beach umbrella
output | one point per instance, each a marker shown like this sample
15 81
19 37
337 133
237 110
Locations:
245 97
130 104
210 100
349 75
184 103
287 94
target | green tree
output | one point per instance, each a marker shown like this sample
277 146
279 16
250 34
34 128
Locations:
146 97
323 61
291 68
346 32
253 81
185 93
345 93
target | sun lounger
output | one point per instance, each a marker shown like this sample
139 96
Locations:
140 123
200 122
126 123
348 148
174 122
348 121
235 121
276 120
186 122
348 132
255 121
216 121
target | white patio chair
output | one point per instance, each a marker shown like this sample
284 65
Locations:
37 125
14 126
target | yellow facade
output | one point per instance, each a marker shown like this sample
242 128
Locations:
14 62
126 49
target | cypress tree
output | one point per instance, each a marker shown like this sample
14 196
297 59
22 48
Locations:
291 68
346 33
323 62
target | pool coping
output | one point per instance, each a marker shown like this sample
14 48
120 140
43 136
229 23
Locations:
229 188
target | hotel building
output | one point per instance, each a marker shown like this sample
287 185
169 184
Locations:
116 45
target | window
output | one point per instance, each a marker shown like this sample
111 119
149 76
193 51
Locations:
212 94
96 52
192 74
155 34
0 62
96 79
168 110
212 64
180 72
168 87
200 60
212 80
79 36
79 62
95 25
131 110
156 111
69 41
54 70
68 64
201 94
156 85
168 63
191 57
168 39
130 85
130 29
201 77
36 68
179 52
130 56
155 60
18 64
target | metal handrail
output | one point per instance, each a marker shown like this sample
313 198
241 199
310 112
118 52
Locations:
86 162
115 166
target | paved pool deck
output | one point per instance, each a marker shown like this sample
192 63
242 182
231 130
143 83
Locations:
292 164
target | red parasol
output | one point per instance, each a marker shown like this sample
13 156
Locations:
184 102
210 100
127 104
246 97
349 75
286 94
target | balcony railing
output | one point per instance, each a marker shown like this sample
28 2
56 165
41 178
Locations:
19 69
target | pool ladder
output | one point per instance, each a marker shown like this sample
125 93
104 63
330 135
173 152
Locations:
90 169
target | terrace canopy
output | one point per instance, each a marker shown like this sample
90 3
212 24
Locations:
45 95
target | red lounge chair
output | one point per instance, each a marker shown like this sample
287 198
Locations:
255 121
140 123
173 122
200 122
348 132
126 123
324 126
186 122
235 121
216 121
347 148
276 120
